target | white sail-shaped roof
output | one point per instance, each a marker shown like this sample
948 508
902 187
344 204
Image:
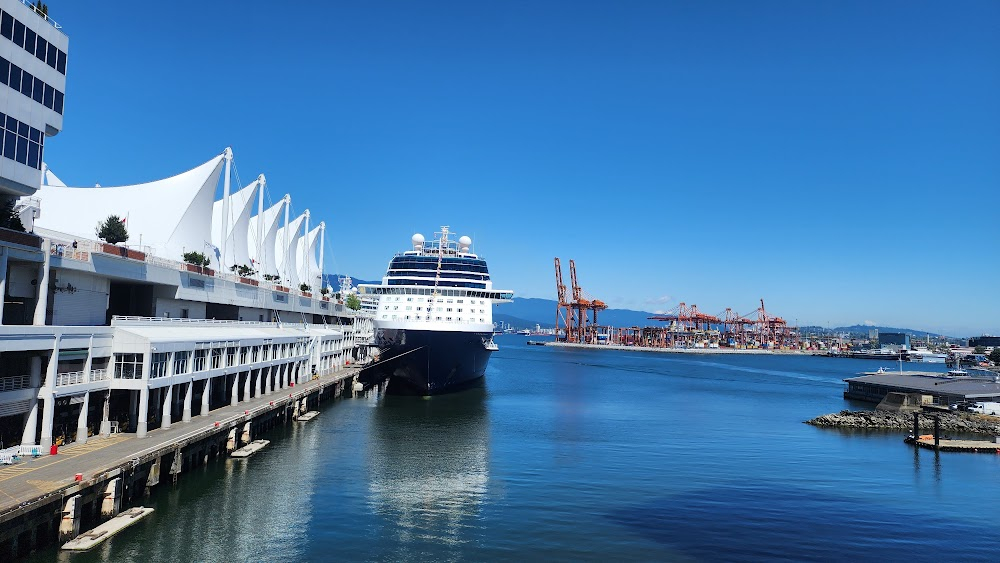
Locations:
287 257
50 179
241 206
262 252
170 216
307 251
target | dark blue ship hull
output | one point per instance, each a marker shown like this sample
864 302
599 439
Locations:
424 362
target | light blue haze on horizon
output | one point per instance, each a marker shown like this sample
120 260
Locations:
839 160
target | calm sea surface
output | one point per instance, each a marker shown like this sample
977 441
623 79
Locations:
584 455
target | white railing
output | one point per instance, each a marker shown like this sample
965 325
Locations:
45 17
129 318
77 377
70 378
14 382
85 248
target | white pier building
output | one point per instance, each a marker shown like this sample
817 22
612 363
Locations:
98 338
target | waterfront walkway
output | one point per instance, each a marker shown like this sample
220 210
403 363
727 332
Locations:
32 479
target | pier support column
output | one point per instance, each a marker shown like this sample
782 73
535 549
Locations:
143 420
235 399
41 305
271 376
81 423
205 396
168 407
69 526
186 414
106 415
48 419
3 278
111 504
31 422
260 381
246 386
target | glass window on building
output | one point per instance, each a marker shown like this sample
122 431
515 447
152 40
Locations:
128 366
200 359
216 358
181 362
158 365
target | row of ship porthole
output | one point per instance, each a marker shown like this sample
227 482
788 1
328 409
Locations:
419 317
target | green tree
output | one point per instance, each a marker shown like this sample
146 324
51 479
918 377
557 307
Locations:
995 355
9 218
304 287
243 270
112 230
197 258
979 350
353 302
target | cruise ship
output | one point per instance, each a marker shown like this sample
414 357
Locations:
434 317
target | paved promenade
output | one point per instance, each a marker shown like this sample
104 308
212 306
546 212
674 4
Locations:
34 478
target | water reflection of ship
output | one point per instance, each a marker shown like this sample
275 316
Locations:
428 464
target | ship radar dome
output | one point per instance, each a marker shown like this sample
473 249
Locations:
465 242
417 239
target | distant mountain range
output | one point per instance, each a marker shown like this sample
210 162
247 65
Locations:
526 312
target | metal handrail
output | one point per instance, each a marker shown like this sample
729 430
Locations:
14 382
45 17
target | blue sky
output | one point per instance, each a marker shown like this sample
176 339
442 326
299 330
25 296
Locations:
838 159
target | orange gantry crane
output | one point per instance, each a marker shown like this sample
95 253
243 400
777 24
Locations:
576 317
564 311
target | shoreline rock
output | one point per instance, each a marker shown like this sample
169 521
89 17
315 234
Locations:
894 420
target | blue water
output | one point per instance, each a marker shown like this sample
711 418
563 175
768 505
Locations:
585 455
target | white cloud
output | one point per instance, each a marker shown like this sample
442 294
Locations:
659 300
870 323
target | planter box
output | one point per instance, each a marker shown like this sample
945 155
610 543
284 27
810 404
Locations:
249 281
325 298
306 294
281 288
200 270
17 237
123 252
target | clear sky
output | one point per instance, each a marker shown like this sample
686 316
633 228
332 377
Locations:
840 160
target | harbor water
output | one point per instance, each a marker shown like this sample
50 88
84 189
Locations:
583 455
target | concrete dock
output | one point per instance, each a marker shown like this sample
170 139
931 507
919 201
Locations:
95 537
974 446
39 496
250 449
308 416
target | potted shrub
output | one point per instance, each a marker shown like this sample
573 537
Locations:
305 288
325 292
245 274
198 263
112 231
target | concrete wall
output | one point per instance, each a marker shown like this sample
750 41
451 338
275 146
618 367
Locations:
80 299
173 308
254 314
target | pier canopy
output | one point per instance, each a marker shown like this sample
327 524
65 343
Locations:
166 218
170 216
241 206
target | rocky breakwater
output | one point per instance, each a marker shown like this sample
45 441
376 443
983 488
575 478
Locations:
894 420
